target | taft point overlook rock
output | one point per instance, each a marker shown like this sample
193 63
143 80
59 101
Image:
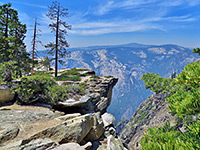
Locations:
72 121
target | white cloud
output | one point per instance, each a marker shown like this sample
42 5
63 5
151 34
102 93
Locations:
138 4
193 2
184 18
172 3
103 9
31 4
98 28
128 25
43 19
146 19
89 25
24 18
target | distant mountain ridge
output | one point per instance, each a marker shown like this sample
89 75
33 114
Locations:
129 62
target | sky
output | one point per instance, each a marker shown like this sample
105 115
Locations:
113 22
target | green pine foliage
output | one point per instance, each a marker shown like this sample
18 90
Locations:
44 89
57 93
33 88
196 50
72 75
57 14
169 138
185 102
156 83
13 55
190 75
184 99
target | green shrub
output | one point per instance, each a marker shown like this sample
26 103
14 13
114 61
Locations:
82 69
184 101
43 73
75 89
84 75
67 78
95 77
1 80
169 138
42 88
108 76
72 71
57 93
70 75
28 91
60 93
33 88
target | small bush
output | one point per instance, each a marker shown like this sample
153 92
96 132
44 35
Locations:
108 76
57 93
70 75
28 91
44 89
43 73
67 78
84 75
81 69
1 80
33 88
95 77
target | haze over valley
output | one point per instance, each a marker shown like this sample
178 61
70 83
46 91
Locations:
128 63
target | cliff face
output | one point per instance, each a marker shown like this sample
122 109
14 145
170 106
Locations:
153 112
128 63
73 123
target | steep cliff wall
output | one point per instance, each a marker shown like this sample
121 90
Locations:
153 112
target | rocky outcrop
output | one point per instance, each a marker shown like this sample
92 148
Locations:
97 130
128 63
8 134
72 124
108 119
5 94
38 144
42 128
153 112
72 130
69 146
97 99
115 144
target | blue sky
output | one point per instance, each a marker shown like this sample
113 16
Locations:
109 22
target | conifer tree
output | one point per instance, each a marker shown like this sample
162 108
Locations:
184 101
196 50
35 40
13 56
58 27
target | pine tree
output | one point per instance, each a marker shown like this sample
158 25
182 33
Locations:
184 101
58 26
13 55
35 40
196 50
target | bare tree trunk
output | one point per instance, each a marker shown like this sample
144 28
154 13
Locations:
34 38
57 29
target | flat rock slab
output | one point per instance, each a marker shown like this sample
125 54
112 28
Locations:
108 119
73 130
19 122
15 115
69 146
8 134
